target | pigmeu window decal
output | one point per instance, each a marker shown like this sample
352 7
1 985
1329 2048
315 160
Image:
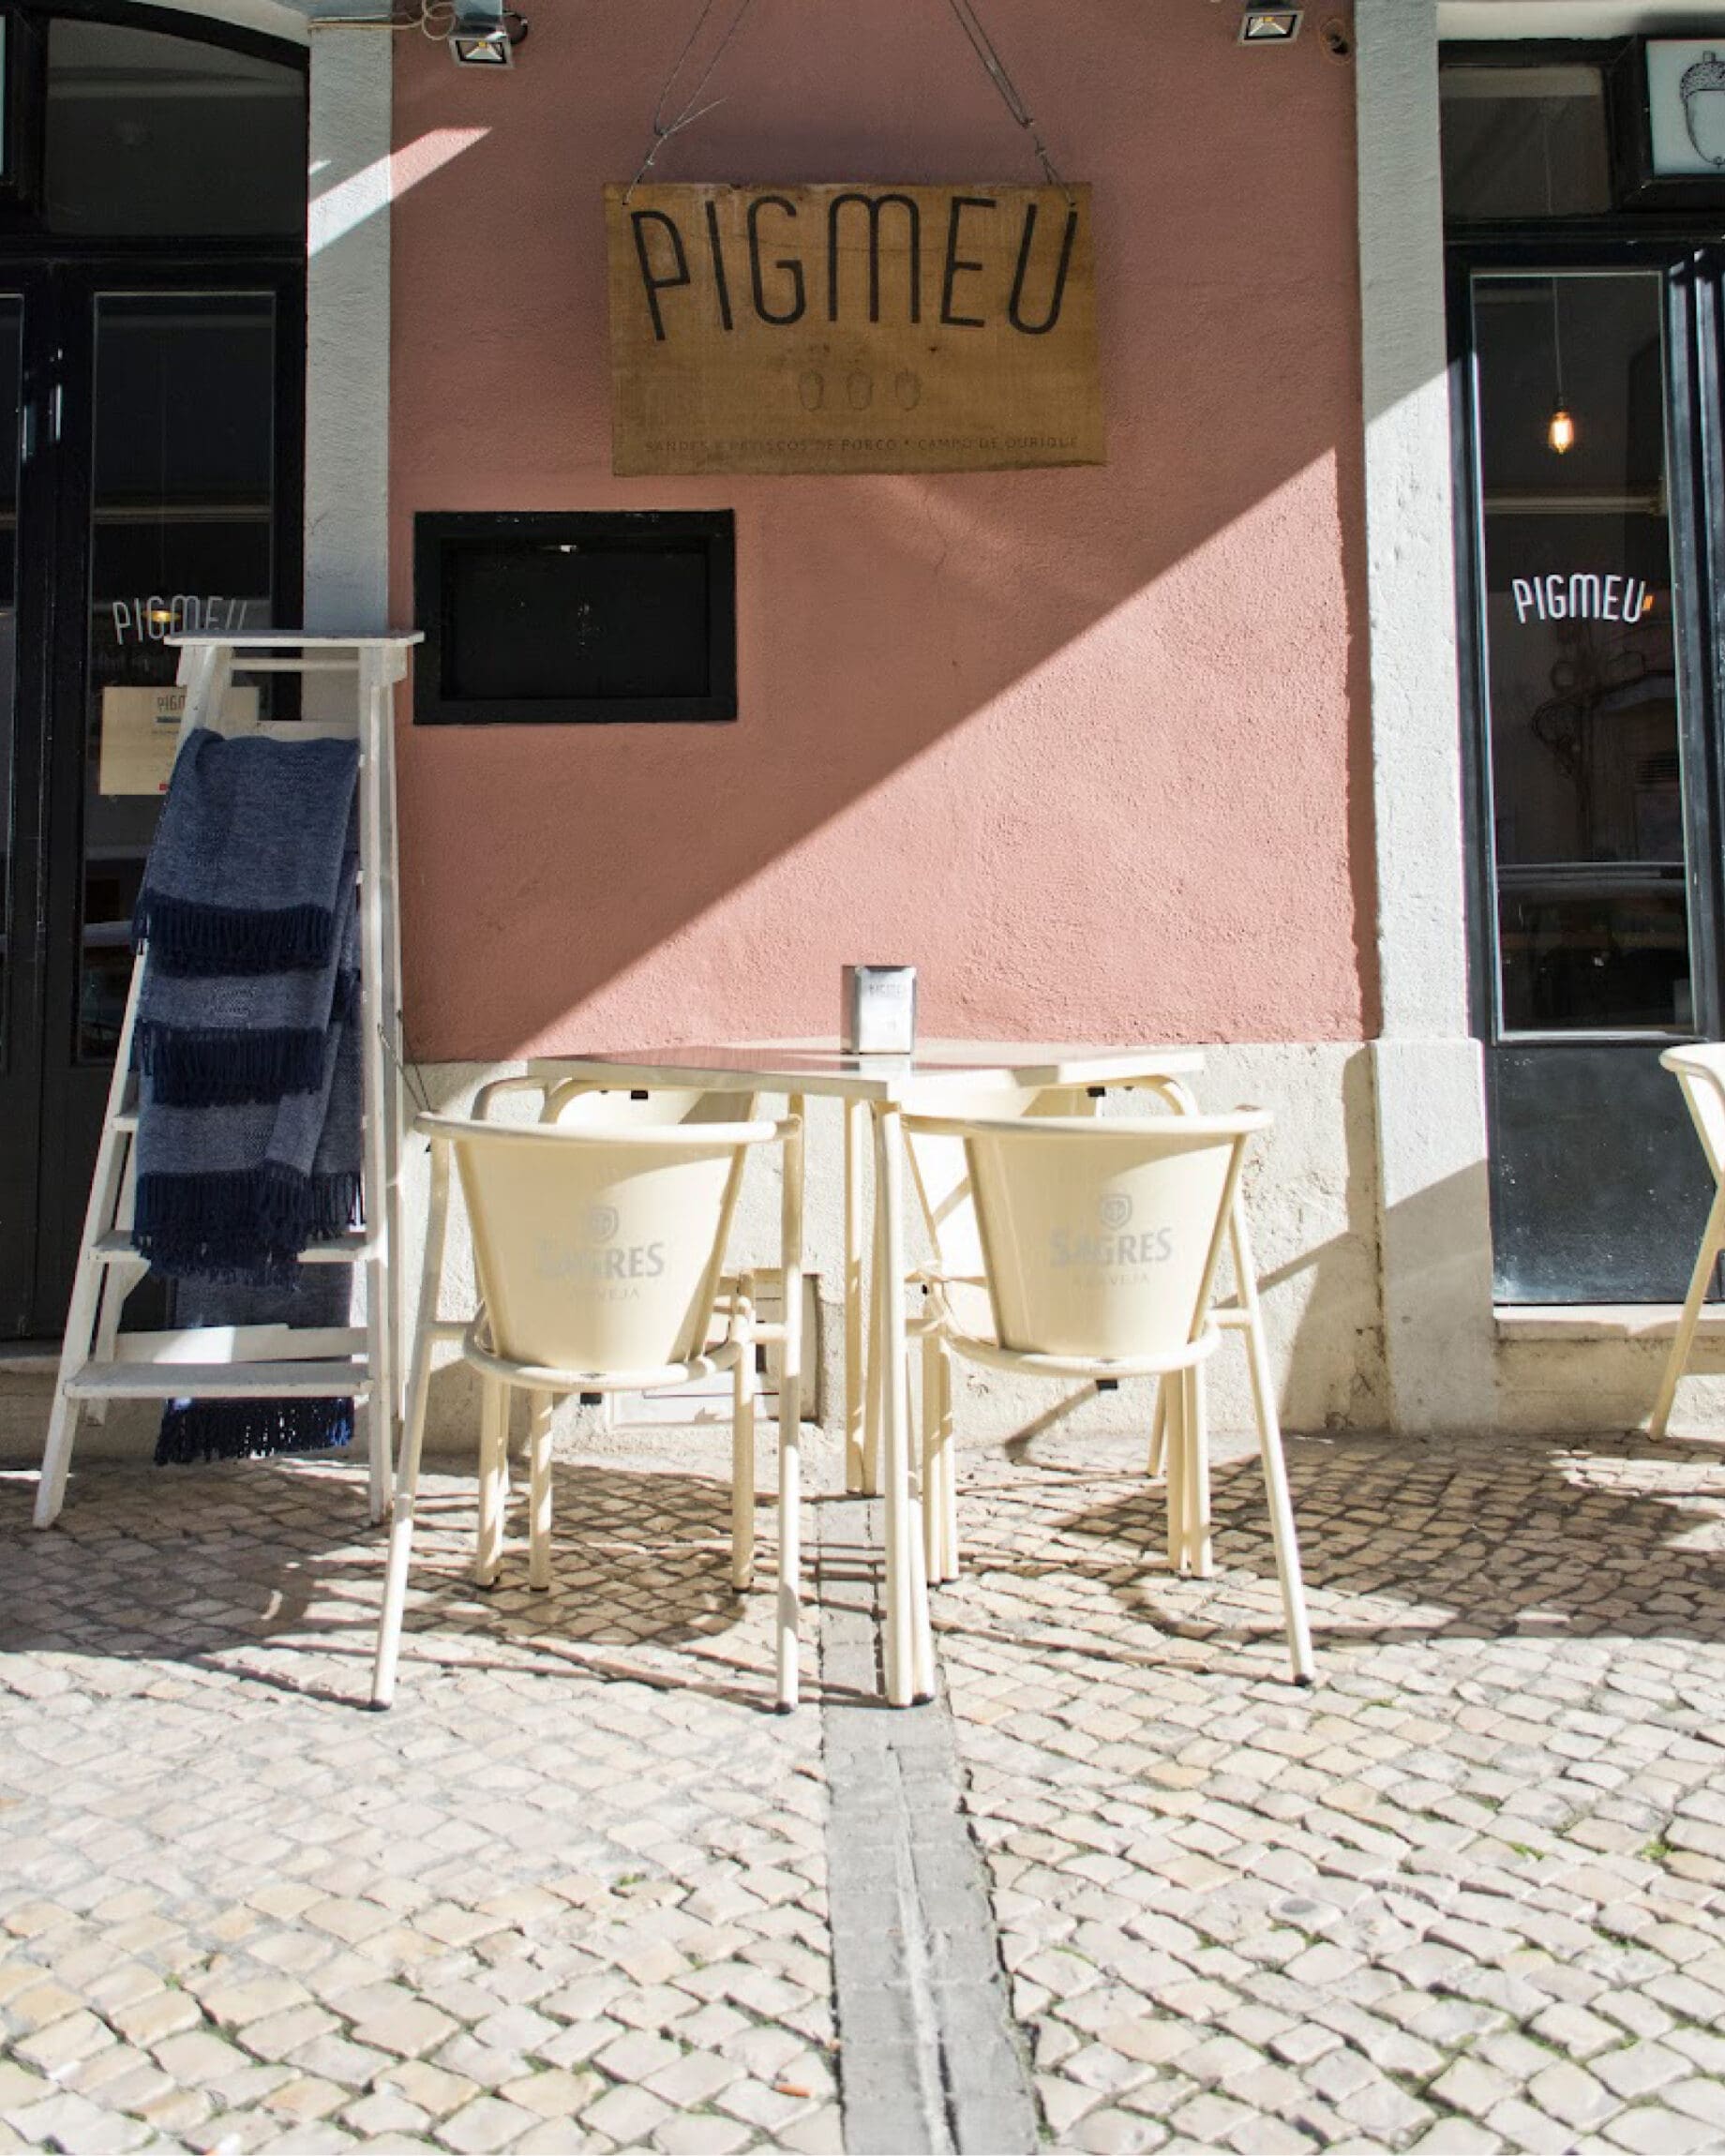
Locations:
1582 596
852 328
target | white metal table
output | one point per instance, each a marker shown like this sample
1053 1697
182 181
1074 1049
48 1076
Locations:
881 1088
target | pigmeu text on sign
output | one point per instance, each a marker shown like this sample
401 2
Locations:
852 328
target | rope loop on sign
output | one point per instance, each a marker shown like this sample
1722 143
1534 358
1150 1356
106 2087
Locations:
662 129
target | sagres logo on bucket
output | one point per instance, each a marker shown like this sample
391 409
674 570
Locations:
600 1259
1116 1245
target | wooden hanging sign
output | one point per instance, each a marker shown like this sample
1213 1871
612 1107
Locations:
859 328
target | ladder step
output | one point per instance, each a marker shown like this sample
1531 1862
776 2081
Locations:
116 1249
240 1344
219 1381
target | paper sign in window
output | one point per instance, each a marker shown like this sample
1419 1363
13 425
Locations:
141 734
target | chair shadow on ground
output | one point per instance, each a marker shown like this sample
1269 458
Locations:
226 1568
1402 1540
271 1573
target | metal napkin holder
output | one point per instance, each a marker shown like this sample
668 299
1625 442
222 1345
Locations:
878 1016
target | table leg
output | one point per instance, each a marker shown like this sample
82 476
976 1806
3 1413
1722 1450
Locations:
909 1653
856 1136
872 1412
791 1416
1180 1096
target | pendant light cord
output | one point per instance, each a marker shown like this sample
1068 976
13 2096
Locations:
970 21
1545 144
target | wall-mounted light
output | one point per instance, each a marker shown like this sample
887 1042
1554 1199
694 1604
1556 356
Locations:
1270 25
485 34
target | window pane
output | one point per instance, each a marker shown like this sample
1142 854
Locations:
182 516
148 133
11 333
1523 142
1586 771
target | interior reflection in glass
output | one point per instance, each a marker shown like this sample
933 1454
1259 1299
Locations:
1586 775
182 517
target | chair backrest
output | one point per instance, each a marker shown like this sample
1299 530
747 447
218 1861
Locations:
599 1251
941 1171
1701 1072
579 1104
1099 1240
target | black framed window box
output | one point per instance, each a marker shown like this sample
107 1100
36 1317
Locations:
575 617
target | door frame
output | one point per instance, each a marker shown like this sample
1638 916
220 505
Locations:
1691 277
52 1106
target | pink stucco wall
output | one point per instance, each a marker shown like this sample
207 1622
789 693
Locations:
1088 747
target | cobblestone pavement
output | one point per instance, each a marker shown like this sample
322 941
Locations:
571 1894
568 1894
1468 1894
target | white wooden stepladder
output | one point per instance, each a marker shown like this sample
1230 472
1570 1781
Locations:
99 1362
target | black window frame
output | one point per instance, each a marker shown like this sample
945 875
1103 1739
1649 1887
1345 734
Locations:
1686 206
23 230
435 532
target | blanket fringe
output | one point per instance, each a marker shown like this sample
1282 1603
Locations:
193 1429
189 940
198 1067
242 1225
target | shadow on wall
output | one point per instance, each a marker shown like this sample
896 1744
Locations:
1332 1356
1088 746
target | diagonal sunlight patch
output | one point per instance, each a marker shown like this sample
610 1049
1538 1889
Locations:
1166 627
346 204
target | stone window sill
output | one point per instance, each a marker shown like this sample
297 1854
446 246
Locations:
1576 1322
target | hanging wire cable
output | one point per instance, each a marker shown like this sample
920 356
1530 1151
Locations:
663 129
971 22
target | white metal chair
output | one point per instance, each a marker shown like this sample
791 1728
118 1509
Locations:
599 1255
941 1175
1701 1072
576 1104
1100 1242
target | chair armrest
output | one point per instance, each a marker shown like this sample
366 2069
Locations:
495 1089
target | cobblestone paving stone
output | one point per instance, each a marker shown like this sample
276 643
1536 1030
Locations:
568 1894
1466 1895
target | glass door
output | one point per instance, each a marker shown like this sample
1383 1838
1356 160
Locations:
180 498
1597 826
151 341
154 488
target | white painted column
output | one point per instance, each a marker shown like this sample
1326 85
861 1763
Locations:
1434 1216
347 333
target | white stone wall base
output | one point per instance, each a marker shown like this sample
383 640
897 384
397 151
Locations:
1366 1205
1314 1212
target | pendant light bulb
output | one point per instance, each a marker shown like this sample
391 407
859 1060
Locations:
1560 431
